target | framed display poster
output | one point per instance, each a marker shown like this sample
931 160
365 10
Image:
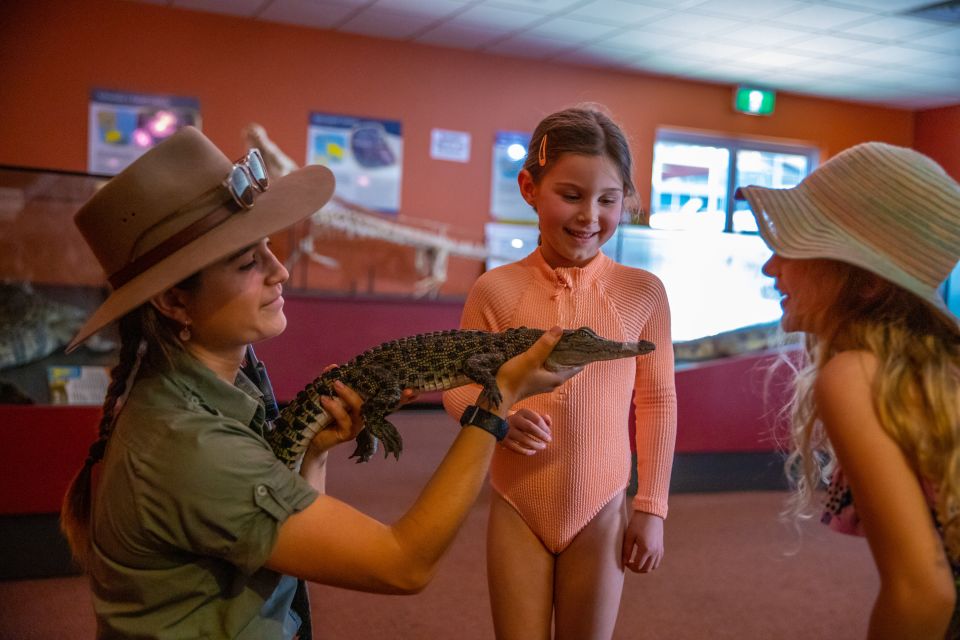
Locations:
365 155
124 125
509 153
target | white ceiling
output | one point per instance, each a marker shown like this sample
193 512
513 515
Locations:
859 50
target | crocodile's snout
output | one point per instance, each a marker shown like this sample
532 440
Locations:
582 346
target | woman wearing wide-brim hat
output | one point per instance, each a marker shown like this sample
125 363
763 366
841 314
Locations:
193 528
861 249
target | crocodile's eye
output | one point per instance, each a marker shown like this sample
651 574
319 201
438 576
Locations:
586 332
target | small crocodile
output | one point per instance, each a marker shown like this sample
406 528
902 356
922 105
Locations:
434 361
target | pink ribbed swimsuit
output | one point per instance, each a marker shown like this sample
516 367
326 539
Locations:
559 490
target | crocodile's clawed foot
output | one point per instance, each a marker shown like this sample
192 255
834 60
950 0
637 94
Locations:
493 395
366 446
384 430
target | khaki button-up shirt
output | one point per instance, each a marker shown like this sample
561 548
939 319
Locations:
186 511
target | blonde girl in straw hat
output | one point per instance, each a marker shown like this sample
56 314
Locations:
191 527
860 249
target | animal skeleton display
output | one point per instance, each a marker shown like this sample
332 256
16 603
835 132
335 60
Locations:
428 238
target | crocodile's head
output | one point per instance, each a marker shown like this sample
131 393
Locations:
582 346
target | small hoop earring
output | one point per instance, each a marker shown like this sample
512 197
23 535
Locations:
185 334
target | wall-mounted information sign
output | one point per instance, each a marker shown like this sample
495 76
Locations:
123 126
365 155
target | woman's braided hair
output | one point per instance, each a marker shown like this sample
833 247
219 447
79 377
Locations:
146 337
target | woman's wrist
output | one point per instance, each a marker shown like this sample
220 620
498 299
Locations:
481 418
317 451
313 469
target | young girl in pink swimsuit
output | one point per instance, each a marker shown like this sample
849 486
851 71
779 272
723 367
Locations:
559 534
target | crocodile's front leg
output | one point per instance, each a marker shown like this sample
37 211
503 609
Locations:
383 392
482 369
366 446
377 427
382 429
374 416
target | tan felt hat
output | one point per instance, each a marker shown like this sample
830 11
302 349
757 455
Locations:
171 213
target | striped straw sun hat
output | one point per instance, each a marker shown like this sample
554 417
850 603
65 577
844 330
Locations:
888 209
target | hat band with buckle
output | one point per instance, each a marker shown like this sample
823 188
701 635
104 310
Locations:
247 178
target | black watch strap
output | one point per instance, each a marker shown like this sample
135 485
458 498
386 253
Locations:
476 417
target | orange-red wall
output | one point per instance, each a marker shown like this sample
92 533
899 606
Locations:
937 134
52 53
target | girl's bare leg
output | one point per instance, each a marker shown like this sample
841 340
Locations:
520 574
589 577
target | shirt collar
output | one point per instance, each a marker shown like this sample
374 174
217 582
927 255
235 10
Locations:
239 401
574 277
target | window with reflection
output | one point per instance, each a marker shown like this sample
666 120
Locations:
695 176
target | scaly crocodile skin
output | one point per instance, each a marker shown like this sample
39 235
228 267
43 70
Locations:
426 362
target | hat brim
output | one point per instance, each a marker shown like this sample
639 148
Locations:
794 226
288 200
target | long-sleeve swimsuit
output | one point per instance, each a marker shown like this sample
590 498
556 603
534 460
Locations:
186 511
563 487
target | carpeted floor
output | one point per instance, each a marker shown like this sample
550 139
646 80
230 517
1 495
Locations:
731 570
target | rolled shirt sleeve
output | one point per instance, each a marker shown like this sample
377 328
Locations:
228 496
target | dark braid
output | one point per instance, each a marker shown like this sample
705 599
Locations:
75 513
143 327
130 337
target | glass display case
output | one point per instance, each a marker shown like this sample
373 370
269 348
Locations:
49 283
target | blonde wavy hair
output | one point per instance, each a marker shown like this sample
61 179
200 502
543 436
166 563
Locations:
916 392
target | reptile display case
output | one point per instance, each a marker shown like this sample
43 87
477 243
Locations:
49 281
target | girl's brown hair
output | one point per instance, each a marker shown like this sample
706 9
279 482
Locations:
584 130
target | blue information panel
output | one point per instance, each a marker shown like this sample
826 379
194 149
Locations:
123 126
365 155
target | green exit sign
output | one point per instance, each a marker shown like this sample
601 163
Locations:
757 102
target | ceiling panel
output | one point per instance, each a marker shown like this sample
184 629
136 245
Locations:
458 36
572 30
893 28
381 23
437 9
616 12
862 50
